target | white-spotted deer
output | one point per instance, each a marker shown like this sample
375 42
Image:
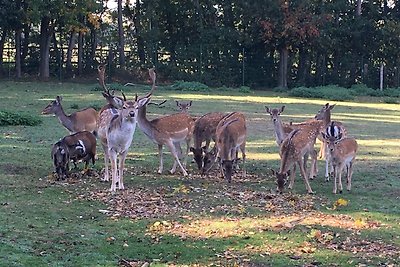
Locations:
204 131
168 130
116 126
231 136
281 133
82 120
342 153
292 150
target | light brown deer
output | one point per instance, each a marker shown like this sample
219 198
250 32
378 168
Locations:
281 133
292 151
342 153
168 130
82 120
204 131
335 127
116 127
231 136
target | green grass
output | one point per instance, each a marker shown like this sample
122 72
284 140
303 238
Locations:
196 221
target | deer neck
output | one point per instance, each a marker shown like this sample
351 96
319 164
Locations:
279 132
64 119
327 118
144 124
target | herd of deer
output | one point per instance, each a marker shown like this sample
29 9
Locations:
114 125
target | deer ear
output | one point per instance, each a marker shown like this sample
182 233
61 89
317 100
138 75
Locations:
191 149
142 102
273 172
324 135
332 106
282 108
340 136
177 102
190 103
267 109
59 98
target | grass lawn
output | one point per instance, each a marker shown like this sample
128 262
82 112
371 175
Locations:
171 220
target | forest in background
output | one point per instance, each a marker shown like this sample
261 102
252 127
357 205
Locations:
257 43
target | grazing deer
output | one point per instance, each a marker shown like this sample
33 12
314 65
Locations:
342 153
292 151
231 136
168 130
325 114
204 130
116 127
82 120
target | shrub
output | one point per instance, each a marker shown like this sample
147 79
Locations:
362 90
244 89
8 118
390 100
189 86
392 92
330 92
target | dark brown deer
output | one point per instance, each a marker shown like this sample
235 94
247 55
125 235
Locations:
82 120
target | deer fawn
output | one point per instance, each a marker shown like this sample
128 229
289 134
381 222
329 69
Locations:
204 131
325 114
116 126
169 130
82 120
292 151
342 153
231 136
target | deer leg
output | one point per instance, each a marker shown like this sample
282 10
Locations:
114 170
304 174
106 159
335 174
341 167
175 155
121 170
292 176
349 175
322 151
160 155
313 167
243 149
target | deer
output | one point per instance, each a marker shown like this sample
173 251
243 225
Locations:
281 132
231 136
292 150
82 120
204 131
168 131
183 106
116 127
342 153
335 127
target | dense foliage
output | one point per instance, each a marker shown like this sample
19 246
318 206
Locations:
11 118
255 43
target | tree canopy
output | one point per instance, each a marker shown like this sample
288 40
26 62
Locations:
259 43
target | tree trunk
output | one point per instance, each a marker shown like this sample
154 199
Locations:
283 67
121 38
18 53
358 8
80 53
139 38
3 37
304 67
45 38
71 44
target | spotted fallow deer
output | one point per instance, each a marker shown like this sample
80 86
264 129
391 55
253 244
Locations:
231 136
168 130
325 114
281 133
342 153
82 120
204 131
292 151
116 126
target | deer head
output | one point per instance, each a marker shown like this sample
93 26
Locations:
183 106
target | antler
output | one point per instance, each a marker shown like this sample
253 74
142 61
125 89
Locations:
152 75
